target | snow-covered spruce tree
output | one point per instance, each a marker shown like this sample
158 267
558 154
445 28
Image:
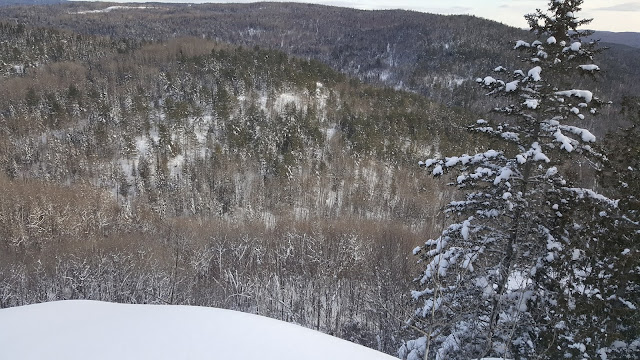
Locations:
505 276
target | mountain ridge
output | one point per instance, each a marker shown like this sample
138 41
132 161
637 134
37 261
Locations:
627 38
437 56
31 2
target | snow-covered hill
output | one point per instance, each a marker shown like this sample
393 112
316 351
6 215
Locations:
97 330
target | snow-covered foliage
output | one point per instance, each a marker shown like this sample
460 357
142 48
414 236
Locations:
507 276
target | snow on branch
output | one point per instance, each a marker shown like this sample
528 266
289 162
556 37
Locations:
583 193
535 73
585 94
589 67
455 160
584 134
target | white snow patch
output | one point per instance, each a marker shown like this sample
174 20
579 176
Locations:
330 132
535 73
511 86
111 8
287 98
576 46
564 140
588 193
79 329
175 165
590 67
577 253
489 80
505 174
142 145
584 134
465 229
531 103
585 94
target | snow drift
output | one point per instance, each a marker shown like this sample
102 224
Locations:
97 330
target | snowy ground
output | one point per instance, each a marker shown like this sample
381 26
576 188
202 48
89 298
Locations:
72 330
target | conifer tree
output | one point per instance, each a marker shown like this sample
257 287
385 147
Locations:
512 276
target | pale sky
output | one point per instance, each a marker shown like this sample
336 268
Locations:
610 15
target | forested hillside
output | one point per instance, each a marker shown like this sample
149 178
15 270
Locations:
264 157
195 172
435 55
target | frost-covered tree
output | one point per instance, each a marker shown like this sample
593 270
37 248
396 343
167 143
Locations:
514 273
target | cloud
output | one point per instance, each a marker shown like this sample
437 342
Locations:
628 7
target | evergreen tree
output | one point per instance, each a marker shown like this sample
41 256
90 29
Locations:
513 275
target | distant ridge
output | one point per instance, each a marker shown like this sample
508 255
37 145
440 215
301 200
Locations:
30 2
623 38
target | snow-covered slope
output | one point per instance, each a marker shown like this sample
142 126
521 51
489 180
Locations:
97 330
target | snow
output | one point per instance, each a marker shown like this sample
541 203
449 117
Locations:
576 254
538 155
505 174
564 140
142 145
81 329
465 229
521 43
330 132
588 193
531 103
287 98
551 40
589 67
489 80
510 136
584 134
585 94
512 86
175 165
111 8
576 46
535 73
629 304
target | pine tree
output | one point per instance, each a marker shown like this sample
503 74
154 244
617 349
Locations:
513 274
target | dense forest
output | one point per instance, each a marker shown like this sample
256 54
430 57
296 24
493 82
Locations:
260 157
194 172
434 55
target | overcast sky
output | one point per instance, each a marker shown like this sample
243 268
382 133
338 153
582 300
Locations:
611 15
